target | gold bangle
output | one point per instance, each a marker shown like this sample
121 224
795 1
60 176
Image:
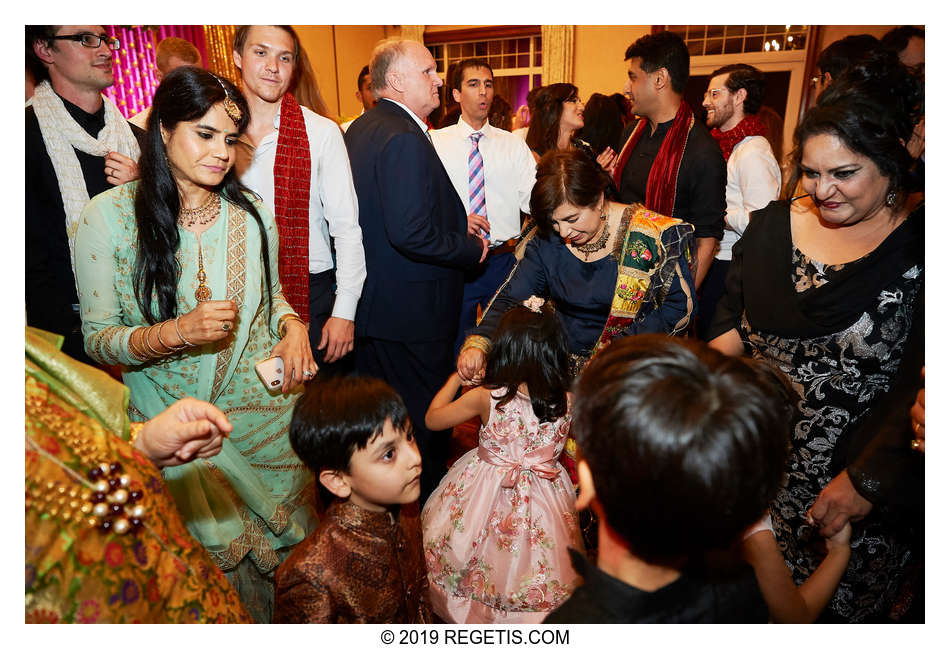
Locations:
477 342
172 348
282 323
135 428
184 340
148 345
134 351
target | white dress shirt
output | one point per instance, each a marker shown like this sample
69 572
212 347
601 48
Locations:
509 170
753 179
334 210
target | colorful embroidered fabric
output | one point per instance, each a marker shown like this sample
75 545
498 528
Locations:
77 573
648 264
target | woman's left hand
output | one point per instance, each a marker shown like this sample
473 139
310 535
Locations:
120 169
294 349
838 504
608 159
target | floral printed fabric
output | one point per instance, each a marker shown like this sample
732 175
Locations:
75 573
838 378
499 554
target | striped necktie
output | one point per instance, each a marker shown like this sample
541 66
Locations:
476 177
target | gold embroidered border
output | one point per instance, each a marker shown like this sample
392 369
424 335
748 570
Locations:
237 252
252 539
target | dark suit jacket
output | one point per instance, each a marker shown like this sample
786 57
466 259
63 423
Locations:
414 230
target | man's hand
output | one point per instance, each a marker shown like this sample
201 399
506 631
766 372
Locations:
120 169
478 225
337 338
838 504
484 249
187 429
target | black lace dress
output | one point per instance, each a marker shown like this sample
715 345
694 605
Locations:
842 379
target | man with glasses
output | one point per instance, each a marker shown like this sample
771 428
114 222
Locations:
732 102
78 145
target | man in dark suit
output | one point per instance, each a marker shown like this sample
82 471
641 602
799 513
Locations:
416 242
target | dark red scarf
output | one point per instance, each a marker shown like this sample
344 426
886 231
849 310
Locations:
292 206
750 125
661 183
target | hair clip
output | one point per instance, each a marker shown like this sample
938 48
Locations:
534 303
230 107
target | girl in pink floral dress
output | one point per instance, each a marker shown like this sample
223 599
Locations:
497 529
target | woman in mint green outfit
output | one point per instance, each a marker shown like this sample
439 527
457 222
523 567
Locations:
178 283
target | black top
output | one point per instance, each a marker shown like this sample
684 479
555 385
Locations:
700 186
692 598
50 286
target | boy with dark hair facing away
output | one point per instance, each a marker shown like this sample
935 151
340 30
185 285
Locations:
364 562
681 449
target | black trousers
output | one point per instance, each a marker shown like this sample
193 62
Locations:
416 371
322 296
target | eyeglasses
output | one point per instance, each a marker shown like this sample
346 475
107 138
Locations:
713 92
91 40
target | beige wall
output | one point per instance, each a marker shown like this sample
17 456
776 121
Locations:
598 56
337 67
832 33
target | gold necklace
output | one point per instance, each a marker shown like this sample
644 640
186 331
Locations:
201 215
202 293
596 246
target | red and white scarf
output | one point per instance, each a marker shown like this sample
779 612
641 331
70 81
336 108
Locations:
292 206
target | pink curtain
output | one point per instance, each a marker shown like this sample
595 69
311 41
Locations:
134 62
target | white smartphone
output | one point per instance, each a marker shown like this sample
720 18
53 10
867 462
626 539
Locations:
271 372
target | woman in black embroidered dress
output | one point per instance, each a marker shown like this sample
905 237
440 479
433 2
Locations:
832 294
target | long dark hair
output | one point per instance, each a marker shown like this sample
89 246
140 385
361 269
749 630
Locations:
531 348
546 116
184 95
872 108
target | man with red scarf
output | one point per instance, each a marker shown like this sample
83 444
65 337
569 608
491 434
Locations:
297 162
753 177
669 163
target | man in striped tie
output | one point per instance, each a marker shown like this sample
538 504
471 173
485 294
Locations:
493 172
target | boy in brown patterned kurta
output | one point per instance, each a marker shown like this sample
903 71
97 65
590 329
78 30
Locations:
364 562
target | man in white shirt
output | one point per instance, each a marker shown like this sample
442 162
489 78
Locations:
495 196
284 144
753 178
170 53
364 93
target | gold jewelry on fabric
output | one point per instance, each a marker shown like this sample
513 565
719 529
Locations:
202 293
477 342
601 243
201 215
915 444
282 323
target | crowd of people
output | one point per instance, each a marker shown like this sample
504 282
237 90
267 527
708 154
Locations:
697 379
